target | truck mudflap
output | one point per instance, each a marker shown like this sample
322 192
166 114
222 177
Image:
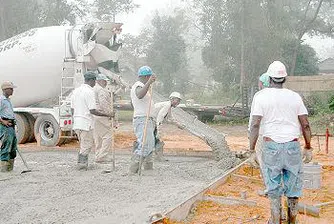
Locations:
212 137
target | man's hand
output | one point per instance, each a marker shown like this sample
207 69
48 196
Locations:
253 162
152 79
6 123
307 155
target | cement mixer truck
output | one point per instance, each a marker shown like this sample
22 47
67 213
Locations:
46 64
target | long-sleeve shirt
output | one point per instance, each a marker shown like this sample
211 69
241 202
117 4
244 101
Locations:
103 99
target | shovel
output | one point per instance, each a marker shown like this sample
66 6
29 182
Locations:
25 163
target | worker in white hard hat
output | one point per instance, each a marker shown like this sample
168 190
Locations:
282 116
8 140
102 125
162 111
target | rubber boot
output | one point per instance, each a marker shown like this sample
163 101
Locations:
11 164
159 155
134 165
4 166
148 162
148 165
82 162
292 210
275 210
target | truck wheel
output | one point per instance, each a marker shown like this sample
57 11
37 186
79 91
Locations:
22 128
49 130
31 122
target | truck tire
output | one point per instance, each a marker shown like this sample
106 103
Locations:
23 130
31 122
49 130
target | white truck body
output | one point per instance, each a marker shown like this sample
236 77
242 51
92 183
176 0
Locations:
46 64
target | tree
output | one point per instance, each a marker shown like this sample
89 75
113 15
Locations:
306 61
17 16
135 49
243 37
167 52
108 9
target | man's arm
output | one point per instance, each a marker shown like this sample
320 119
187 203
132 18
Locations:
162 113
303 119
101 114
142 91
254 131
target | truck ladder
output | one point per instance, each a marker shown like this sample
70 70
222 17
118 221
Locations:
67 80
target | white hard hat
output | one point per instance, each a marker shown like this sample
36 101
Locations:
175 95
277 70
102 77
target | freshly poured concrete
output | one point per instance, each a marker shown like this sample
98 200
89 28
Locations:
55 192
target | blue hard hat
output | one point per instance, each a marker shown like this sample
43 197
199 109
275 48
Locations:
145 71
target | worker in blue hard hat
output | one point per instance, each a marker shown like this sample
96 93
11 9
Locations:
143 105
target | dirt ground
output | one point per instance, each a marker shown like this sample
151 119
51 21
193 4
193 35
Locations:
54 192
208 212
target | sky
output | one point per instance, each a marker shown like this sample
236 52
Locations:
134 22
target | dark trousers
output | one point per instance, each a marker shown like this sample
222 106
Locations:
8 143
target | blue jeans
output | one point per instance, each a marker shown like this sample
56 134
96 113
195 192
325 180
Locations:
282 161
139 125
8 143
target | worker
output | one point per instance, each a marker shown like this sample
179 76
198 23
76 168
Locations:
162 111
102 125
83 106
281 114
8 140
143 109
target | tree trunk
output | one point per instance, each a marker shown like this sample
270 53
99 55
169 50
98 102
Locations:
305 26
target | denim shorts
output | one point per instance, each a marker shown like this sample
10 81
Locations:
282 168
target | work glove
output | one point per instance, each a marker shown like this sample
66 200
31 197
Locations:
307 155
253 162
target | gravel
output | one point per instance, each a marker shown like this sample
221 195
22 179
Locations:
55 192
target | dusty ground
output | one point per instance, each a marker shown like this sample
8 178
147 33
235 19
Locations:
56 193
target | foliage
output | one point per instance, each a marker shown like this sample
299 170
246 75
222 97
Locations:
108 9
135 49
255 33
17 16
320 102
331 103
167 52
307 60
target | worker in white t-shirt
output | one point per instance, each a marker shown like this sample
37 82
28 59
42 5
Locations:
282 116
83 106
141 100
162 111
